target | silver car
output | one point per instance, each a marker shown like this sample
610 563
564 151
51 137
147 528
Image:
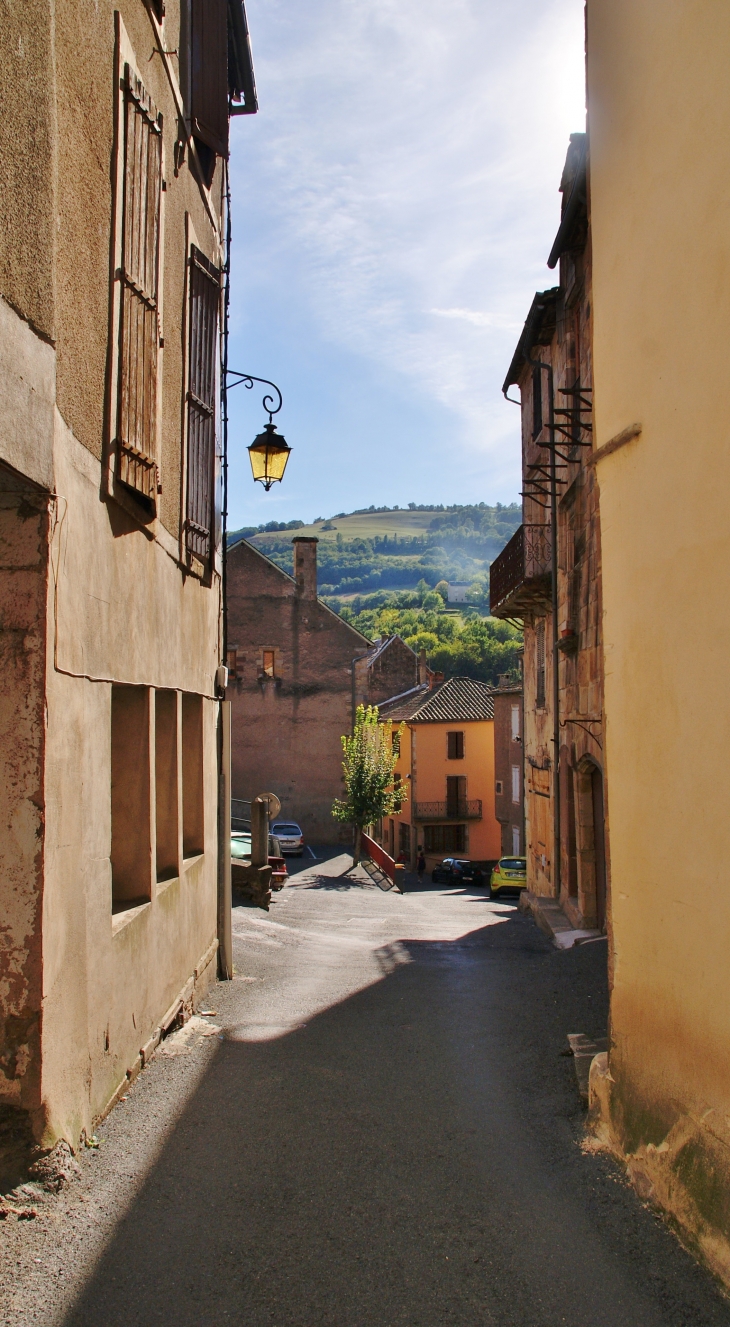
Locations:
290 836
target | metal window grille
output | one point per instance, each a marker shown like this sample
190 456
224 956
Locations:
536 402
140 332
540 663
204 308
444 838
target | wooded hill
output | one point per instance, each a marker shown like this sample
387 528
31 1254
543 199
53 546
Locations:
391 548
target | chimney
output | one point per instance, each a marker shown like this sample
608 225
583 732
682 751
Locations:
422 667
305 567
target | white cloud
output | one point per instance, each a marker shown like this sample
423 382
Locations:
405 165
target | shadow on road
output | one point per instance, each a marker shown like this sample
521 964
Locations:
408 1157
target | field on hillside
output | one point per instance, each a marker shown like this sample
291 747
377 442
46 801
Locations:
396 550
368 525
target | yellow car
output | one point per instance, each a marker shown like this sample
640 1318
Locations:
509 873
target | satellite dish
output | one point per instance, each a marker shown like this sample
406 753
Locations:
273 803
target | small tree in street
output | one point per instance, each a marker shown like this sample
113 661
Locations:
371 754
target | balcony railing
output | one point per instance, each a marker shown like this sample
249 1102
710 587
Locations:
461 810
519 579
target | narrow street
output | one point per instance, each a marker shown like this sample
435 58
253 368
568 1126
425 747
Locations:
383 1131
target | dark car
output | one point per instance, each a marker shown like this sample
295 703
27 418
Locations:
457 870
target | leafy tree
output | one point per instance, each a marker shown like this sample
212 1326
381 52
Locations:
443 589
370 788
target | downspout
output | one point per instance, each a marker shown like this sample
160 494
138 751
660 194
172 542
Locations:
548 368
225 941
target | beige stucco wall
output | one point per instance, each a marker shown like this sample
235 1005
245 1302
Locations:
88 596
659 119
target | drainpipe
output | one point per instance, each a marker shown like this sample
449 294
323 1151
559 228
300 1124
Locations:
225 941
548 368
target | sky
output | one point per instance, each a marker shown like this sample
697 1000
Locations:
394 202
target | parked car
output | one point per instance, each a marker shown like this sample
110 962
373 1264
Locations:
509 873
456 870
241 852
290 836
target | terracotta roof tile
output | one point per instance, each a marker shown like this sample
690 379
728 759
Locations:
460 700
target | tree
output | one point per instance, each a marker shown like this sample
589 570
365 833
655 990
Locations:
443 589
371 755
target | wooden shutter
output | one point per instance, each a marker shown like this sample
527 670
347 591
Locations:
209 73
137 418
455 743
204 305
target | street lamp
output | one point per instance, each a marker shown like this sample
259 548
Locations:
268 452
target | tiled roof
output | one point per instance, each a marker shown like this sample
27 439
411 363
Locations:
404 706
460 700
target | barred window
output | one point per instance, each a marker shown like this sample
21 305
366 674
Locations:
140 331
202 395
540 633
536 402
445 838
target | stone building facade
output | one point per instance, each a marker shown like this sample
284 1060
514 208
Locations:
509 754
113 145
565 795
297 672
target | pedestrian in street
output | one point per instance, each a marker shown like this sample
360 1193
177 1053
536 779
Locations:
420 865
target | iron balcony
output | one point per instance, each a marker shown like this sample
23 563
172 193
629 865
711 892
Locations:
461 810
520 578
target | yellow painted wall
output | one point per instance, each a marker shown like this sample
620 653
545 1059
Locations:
424 756
659 122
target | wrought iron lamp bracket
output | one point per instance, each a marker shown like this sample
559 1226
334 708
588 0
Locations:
235 379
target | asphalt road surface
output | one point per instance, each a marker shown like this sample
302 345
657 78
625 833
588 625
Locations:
383 1131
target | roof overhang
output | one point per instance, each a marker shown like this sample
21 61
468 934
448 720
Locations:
241 81
538 330
576 205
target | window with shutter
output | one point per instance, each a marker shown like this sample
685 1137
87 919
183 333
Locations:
455 746
137 404
203 346
209 73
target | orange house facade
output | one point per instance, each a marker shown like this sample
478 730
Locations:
446 754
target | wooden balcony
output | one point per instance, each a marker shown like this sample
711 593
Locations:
461 810
520 578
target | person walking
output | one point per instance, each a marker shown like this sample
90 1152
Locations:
420 865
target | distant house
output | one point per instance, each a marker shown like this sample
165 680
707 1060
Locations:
297 671
458 593
447 755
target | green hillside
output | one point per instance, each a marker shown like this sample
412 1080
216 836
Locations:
390 549
386 571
